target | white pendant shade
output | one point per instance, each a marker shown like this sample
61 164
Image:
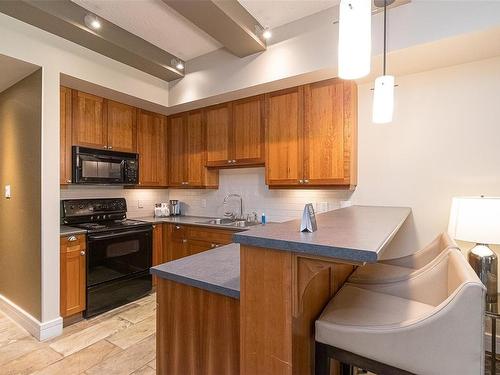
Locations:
355 39
475 219
383 100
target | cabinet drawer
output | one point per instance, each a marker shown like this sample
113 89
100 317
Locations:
76 242
218 236
177 232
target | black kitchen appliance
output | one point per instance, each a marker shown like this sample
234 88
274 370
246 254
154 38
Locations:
104 167
119 252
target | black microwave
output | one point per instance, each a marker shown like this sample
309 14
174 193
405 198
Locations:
103 167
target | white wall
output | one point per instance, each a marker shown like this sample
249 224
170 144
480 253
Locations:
56 55
444 142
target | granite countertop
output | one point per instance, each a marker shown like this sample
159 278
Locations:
356 233
69 231
189 220
216 270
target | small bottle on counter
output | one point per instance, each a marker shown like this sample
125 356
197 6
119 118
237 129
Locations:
263 218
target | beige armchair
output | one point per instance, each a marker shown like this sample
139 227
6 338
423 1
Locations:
431 323
400 268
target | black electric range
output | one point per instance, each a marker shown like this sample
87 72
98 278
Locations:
119 252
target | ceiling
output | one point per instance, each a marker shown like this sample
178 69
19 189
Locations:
274 13
13 70
157 23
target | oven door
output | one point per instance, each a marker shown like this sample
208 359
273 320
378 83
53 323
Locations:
98 169
118 255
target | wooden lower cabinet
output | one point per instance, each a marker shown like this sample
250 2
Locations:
184 240
73 273
197 331
282 295
158 254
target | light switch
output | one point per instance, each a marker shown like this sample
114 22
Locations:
140 204
7 192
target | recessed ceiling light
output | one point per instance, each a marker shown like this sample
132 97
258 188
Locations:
92 21
179 65
267 34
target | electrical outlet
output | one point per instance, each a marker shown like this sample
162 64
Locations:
8 194
140 204
204 203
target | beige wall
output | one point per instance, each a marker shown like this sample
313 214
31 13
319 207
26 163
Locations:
444 142
20 216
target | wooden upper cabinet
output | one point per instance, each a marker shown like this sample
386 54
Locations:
151 144
330 133
188 152
248 131
218 125
195 149
176 155
284 132
65 135
122 127
89 120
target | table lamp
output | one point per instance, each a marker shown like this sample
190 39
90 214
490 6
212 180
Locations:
477 219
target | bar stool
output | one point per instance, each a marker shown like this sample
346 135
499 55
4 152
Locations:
402 268
432 323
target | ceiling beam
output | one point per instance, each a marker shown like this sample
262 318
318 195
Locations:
227 21
66 19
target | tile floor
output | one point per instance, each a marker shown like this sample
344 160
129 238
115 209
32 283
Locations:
119 342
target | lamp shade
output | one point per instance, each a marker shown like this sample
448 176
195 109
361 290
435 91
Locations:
383 100
355 38
475 219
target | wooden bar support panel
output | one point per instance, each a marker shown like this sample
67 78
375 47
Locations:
282 294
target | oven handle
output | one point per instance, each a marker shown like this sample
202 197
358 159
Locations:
119 234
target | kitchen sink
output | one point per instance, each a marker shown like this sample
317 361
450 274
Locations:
229 222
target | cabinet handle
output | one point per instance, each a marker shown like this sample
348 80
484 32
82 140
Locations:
234 161
106 147
213 245
82 253
229 161
301 181
68 181
184 241
72 238
110 147
154 226
306 181
177 227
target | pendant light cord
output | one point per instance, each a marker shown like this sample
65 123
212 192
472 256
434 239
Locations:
385 33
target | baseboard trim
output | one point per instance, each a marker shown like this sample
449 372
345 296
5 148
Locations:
42 331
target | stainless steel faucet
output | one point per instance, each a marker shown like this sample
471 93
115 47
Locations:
232 214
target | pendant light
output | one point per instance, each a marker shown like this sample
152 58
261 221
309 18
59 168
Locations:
355 38
383 96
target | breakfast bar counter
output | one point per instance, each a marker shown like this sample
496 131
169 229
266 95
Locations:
249 308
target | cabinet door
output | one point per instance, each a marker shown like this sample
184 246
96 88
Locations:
65 135
177 248
218 125
327 137
122 127
176 154
195 149
89 120
197 246
151 149
284 133
248 129
72 274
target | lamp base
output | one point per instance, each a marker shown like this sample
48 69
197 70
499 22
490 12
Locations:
485 263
